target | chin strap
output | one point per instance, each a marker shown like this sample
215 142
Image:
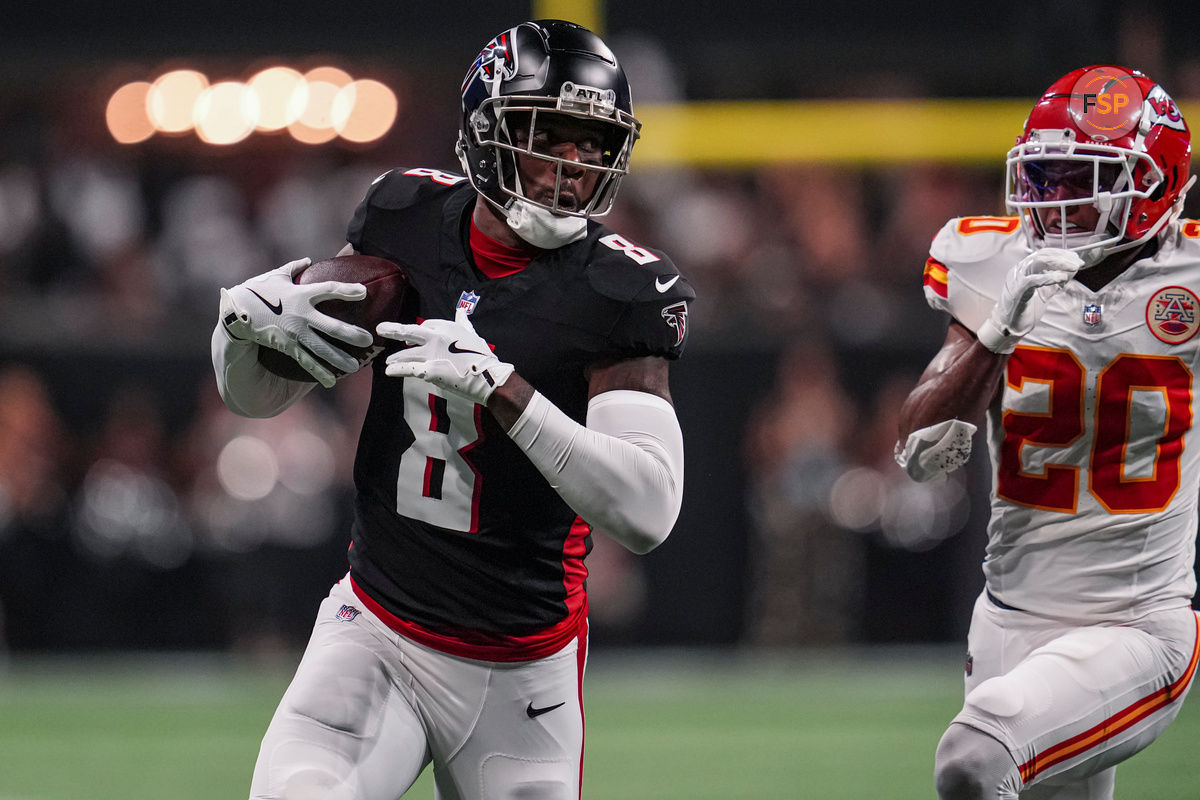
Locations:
541 227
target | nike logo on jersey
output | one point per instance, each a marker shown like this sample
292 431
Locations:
454 348
277 307
663 286
537 712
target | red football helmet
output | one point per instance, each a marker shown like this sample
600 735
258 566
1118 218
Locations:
1104 137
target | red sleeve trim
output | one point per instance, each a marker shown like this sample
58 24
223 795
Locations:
937 277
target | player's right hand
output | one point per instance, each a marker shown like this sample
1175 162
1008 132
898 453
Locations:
1027 288
273 311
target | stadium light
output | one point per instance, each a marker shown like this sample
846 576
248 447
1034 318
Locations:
364 110
282 95
171 101
226 112
315 107
126 115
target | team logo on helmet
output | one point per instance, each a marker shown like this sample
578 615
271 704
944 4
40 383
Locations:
676 316
497 61
1160 109
1171 314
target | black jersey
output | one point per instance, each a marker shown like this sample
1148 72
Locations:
457 538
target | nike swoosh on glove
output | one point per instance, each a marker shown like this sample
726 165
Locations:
1028 286
273 311
448 354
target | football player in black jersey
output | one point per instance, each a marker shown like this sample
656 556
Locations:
531 404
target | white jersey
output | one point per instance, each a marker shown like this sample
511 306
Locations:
1094 485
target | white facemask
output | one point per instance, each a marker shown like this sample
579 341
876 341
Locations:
542 228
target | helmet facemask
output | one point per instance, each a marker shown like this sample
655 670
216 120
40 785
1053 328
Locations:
1051 170
501 128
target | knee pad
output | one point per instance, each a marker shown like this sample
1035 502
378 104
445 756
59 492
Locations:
315 784
513 778
971 765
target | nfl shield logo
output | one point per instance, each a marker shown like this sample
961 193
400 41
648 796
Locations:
1091 314
347 613
468 300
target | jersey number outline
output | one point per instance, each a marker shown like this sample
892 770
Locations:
970 225
619 243
1057 488
436 175
436 482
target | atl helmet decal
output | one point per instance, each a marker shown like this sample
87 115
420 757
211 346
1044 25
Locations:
1171 314
676 316
497 61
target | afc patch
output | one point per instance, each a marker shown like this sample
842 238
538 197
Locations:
1171 314
347 613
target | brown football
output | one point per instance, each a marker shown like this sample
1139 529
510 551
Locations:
387 289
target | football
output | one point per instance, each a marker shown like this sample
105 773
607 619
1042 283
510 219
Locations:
387 291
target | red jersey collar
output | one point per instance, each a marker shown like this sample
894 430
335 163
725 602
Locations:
495 259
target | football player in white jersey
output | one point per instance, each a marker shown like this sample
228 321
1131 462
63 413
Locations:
1073 329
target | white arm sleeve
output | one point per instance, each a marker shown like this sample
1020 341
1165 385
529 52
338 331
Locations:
622 473
247 388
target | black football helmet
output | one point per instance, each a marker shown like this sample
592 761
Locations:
535 71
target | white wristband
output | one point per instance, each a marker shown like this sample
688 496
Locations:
992 337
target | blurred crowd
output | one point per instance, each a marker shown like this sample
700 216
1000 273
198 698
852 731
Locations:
119 465
136 511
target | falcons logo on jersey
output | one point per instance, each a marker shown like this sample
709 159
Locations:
676 316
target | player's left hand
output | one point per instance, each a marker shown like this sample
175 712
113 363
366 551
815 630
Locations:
1028 287
449 354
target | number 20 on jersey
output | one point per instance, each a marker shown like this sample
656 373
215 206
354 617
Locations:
1117 384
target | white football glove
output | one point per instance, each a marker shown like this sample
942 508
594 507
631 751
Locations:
449 354
272 311
932 452
1027 288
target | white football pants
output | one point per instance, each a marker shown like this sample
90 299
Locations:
1070 702
368 710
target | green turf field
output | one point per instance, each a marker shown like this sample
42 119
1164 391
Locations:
850 725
